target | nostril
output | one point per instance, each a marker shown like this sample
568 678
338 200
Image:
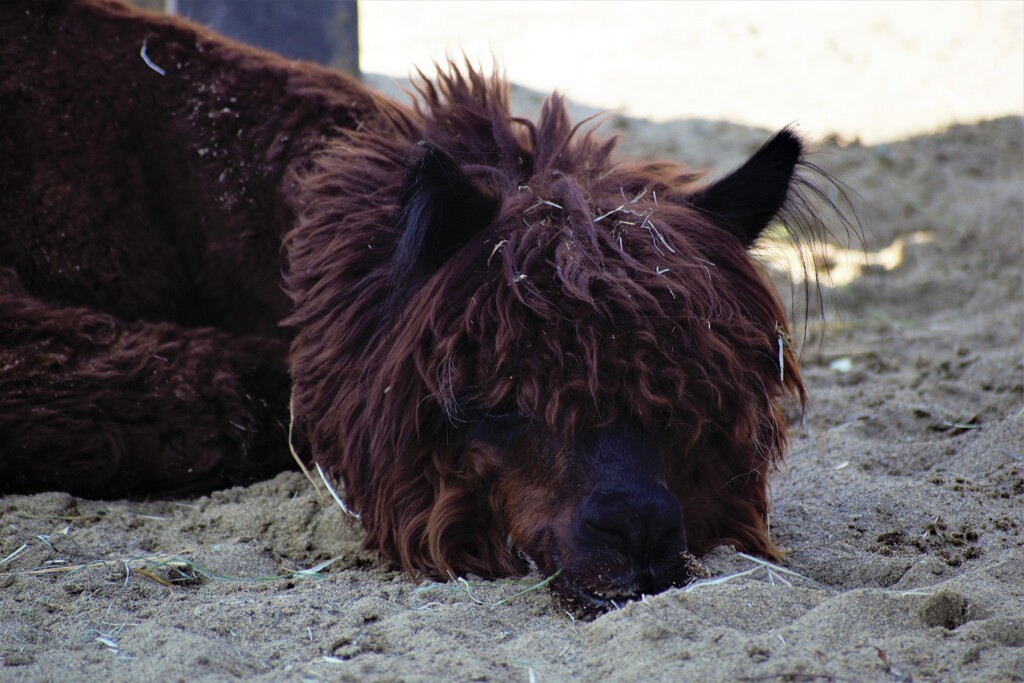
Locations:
663 537
606 532
670 538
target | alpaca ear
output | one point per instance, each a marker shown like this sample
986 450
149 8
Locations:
441 210
746 200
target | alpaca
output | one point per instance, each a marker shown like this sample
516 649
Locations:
508 347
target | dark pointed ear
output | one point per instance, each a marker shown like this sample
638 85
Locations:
441 210
746 200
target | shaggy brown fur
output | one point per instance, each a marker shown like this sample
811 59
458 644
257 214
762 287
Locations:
141 217
508 346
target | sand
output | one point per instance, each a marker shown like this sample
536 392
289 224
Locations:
901 501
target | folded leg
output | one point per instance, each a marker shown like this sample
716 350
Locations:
100 407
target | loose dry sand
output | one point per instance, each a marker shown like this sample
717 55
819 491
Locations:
902 500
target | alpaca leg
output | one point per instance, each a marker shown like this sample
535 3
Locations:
100 407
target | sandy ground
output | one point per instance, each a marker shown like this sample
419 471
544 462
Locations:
902 500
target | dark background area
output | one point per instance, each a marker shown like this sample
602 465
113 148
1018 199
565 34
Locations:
323 31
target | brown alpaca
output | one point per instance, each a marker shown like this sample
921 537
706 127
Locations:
506 345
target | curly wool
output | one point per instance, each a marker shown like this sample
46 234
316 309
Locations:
596 293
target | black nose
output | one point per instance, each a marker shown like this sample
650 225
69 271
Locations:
645 524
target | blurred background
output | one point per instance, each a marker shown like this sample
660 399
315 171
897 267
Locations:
870 71
873 70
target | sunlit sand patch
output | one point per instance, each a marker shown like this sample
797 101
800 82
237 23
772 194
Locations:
830 264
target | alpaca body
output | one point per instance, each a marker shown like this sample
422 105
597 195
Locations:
505 344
